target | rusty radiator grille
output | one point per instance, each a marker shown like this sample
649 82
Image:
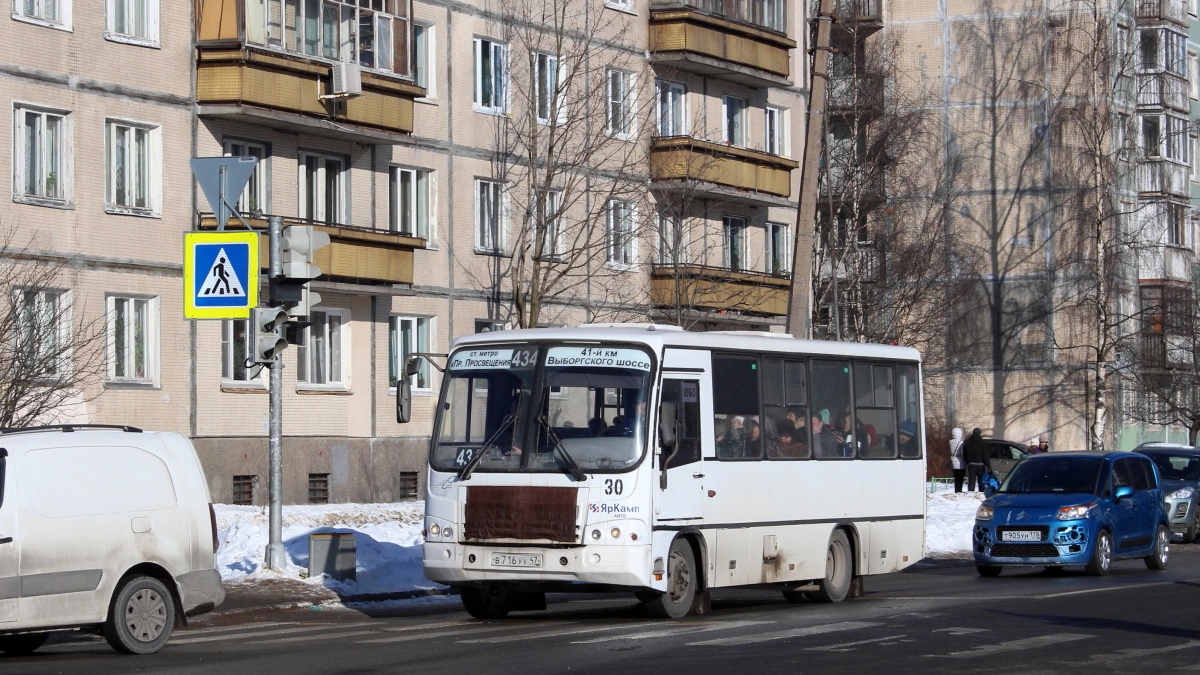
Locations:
523 513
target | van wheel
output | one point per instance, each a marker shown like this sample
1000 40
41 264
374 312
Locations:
839 570
682 580
989 570
22 644
491 601
141 616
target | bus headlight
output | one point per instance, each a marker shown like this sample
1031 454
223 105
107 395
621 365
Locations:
615 532
447 532
435 530
595 534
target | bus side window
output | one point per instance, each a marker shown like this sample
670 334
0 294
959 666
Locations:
684 397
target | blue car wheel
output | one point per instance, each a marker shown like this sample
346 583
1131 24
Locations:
1157 560
1102 552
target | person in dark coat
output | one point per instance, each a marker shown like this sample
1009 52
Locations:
975 455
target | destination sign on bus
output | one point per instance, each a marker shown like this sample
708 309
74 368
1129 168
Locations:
482 359
598 357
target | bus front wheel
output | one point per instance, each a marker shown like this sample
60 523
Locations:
682 580
839 570
490 601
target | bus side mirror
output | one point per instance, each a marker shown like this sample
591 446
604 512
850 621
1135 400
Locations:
667 423
404 400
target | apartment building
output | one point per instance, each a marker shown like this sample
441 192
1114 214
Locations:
413 134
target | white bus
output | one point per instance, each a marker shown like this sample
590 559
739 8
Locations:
669 463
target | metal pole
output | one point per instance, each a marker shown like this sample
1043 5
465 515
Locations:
276 557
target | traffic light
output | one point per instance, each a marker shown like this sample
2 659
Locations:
268 333
308 299
298 244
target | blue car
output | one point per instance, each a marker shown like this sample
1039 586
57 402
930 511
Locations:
1074 508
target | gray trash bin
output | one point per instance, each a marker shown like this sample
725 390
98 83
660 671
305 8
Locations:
332 553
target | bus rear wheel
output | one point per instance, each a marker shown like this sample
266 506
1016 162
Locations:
682 580
839 570
490 601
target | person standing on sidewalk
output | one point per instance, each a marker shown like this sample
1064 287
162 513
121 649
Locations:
975 455
956 458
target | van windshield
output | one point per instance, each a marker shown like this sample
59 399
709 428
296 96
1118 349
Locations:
543 407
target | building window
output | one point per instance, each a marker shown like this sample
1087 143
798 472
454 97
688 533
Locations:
133 168
779 249
318 488
136 19
1151 136
410 201
409 485
769 13
623 5
132 339
550 89
620 97
1195 143
489 216
1194 75
319 354
323 188
243 490
735 243
1148 48
735 120
1175 46
672 249
552 246
487 325
773 131
341 30
619 224
1177 224
52 13
409 335
424 48
44 332
254 197
1176 141
39 155
236 339
490 79
671 112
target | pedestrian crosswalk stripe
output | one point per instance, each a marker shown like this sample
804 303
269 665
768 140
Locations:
848 646
328 636
680 630
196 632
1013 645
786 634
286 630
551 633
1122 654
436 634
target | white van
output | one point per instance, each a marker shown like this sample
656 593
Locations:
103 527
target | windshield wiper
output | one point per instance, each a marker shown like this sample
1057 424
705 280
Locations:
576 472
487 445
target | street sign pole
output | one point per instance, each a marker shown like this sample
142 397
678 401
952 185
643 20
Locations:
276 557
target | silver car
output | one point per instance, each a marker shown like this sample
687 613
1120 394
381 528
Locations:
1179 470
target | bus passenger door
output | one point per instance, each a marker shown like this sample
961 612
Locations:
679 489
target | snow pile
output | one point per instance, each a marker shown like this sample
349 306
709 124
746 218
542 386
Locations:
949 517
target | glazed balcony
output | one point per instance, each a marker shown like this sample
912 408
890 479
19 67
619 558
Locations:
1159 177
719 171
1153 11
1163 91
712 37
718 289
857 15
357 254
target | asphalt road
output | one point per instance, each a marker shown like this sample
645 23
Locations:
930 619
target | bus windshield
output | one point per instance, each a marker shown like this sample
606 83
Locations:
543 408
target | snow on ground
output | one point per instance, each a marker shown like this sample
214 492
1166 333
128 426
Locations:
388 540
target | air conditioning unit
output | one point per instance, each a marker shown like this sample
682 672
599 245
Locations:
347 80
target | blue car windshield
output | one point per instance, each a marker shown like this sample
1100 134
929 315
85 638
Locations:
1053 474
1176 467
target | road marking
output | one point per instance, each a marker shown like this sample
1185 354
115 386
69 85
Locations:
227 629
1122 654
1013 645
311 638
264 633
668 632
1101 590
435 634
786 634
960 630
848 646
550 633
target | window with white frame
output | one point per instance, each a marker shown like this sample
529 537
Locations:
672 114
1149 46
552 246
323 188
424 48
549 89
1194 75
133 162
254 196
672 248
1175 48
735 243
1152 135
490 77
1195 163
735 120
779 249
773 131
410 201
236 345
43 332
319 357
1177 224
408 335
52 13
132 339
356 31
769 13
623 5
133 20
489 216
40 154
619 226
619 89
1175 142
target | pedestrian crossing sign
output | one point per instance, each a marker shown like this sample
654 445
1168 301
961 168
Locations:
220 274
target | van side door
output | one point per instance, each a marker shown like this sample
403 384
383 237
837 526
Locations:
10 582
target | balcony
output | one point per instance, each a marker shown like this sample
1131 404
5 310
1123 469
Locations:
1174 11
718 289
857 15
718 171
354 254
861 96
1161 91
701 37
1159 177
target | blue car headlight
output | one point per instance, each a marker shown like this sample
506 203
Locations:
1075 512
1182 493
984 513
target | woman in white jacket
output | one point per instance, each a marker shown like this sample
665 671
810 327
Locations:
956 458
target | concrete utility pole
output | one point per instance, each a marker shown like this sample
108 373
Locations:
799 317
